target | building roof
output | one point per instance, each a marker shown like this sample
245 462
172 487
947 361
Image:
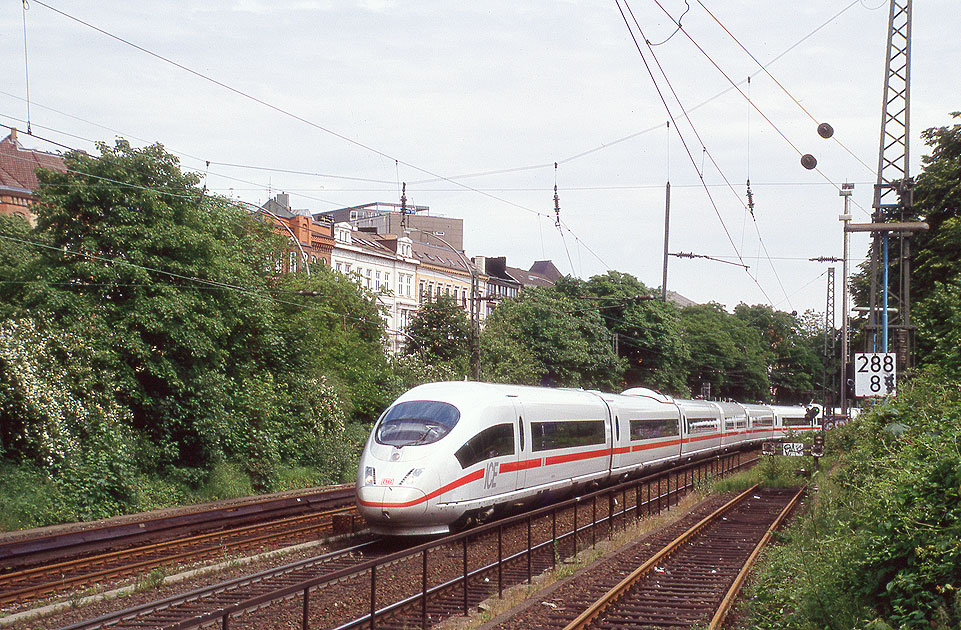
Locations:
18 166
440 256
680 300
546 269
369 243
529 278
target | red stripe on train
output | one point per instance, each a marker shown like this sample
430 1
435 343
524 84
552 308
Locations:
474 476
526 464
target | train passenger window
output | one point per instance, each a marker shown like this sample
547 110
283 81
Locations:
763 421
493 441
697 426
732 423
796 421
520 430
651 429
550 435
416 422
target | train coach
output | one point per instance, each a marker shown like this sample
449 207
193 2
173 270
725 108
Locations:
447 454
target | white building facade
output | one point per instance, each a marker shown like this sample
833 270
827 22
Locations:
385 266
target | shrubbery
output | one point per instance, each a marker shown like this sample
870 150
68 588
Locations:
881 545
150 355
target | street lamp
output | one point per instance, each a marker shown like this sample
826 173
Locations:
846 190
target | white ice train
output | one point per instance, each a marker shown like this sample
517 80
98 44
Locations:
445 454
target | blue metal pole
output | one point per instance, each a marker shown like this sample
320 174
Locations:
884 313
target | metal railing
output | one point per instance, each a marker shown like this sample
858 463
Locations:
651 495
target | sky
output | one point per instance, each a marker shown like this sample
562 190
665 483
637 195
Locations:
481 108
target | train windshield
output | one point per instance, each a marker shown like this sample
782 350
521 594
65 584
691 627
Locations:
416 423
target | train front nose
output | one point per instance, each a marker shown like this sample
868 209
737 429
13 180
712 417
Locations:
391 505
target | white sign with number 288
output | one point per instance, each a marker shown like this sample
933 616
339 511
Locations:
875 374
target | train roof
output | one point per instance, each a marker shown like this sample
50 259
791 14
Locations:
466 392
647 393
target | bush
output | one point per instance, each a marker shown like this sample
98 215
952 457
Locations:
29 498
227 480
882 543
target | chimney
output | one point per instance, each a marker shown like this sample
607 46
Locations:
283 199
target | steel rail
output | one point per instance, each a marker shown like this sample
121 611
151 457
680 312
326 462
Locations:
111 619
684 477
731 596
33 549
612 596
214 541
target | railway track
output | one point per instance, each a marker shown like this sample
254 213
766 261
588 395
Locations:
141 547
191 609
687 580
386 585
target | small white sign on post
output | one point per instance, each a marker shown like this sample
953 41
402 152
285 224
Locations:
875 374
793 449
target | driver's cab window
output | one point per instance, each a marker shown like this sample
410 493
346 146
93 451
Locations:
494 441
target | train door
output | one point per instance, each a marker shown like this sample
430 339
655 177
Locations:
522 460
618 453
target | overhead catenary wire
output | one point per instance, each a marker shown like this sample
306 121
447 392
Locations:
680 135
280 110
568 252
201 282
736 87
764 69
283 111
70 148
26 62
482 191
754 106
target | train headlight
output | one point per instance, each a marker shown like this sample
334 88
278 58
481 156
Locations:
414 473
370 476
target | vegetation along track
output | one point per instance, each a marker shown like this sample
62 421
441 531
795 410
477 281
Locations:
684 583
106 553
397 586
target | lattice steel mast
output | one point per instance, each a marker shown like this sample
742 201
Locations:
892 192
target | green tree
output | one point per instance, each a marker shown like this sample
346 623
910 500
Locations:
439 335
937 201
149 267
939 326
796 365
16 250
565 336
648 331
725 352
333 329
55 414
937 271
879 546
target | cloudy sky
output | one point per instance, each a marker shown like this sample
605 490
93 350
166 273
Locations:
472 104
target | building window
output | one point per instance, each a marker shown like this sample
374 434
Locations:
293 262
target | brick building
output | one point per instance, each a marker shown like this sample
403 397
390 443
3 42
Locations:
18 176
314 237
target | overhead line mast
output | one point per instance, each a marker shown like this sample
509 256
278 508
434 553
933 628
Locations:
893 190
